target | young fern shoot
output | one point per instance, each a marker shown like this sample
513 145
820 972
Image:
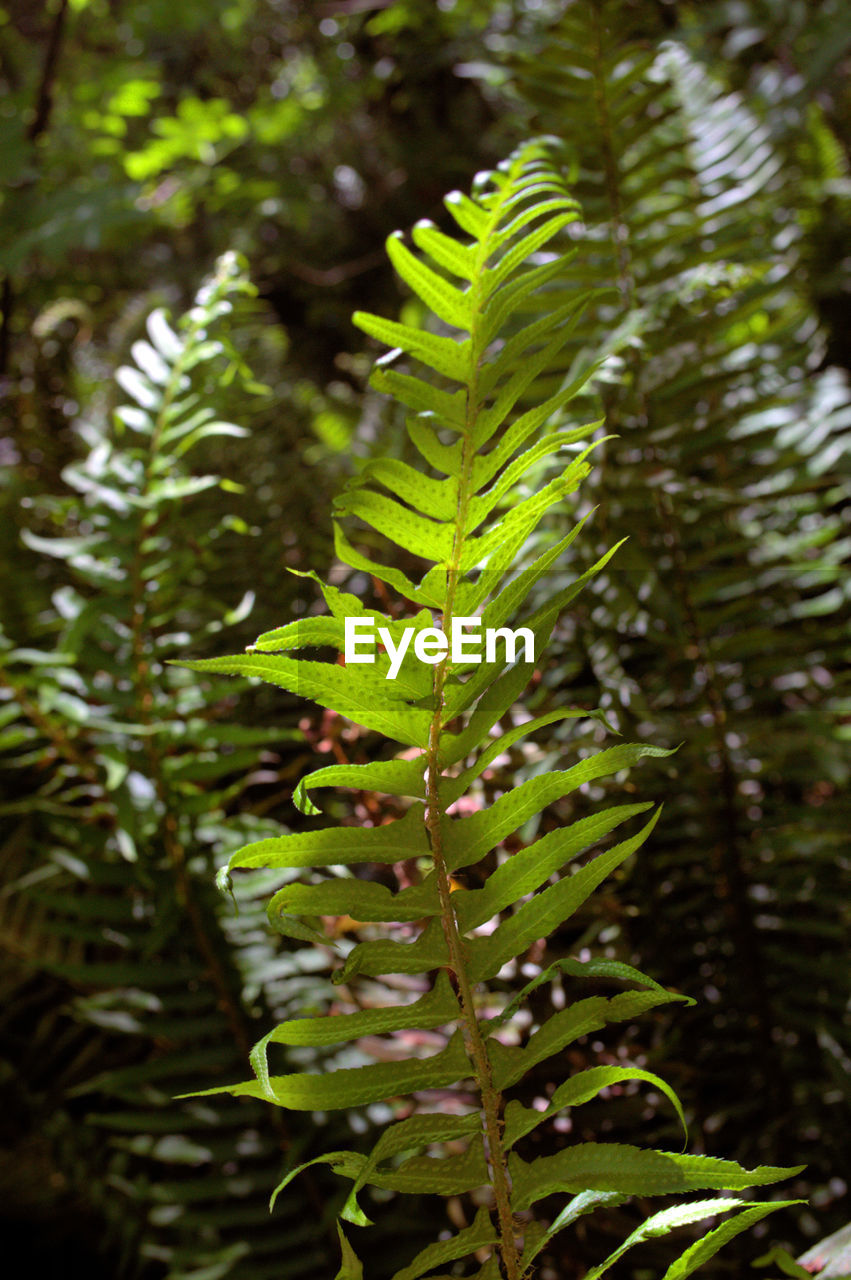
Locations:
480 425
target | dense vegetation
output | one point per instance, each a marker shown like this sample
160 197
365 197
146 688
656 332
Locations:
171 447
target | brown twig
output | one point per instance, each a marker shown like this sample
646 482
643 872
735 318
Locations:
44 101
328 277
37 126
346 7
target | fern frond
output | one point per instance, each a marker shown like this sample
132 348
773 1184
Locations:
479 415
112 776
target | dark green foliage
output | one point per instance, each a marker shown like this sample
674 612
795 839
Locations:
726 616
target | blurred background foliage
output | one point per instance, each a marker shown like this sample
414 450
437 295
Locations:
169 452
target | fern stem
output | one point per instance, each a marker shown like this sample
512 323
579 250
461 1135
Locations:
620 235
50 728
729 859
491 1099
139 610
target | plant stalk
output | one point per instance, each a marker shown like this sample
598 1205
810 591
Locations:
491 1099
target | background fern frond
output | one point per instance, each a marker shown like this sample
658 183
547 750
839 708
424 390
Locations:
111 847
708 618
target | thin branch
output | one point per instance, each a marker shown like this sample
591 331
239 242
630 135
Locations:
346 7
7 303
330 276
37 126
44 101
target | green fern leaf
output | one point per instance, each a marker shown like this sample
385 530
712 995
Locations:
337 845
350 1268
393 777
451 304
355 1086
630 1171
702 1250
359 697
520 1120
660 1224
479 1234
511 1063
